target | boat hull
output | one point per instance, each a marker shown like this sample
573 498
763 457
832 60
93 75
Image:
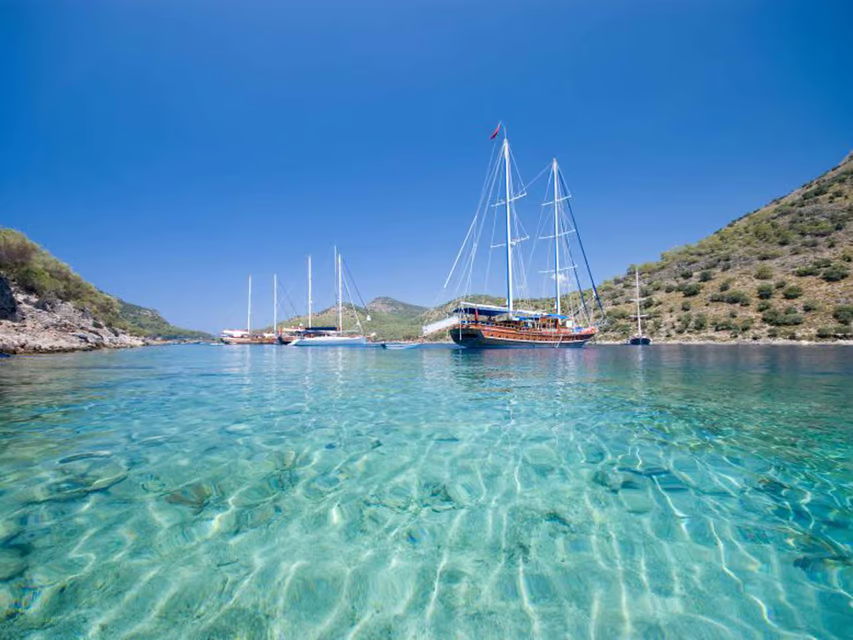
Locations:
487 337
639 341
330 341
236 340
399 346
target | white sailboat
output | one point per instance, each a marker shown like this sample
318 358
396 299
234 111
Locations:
240 336
639 340
334 336
245 336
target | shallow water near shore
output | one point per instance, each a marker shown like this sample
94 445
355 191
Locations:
270 492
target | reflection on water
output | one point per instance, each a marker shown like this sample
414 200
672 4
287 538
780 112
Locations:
701 492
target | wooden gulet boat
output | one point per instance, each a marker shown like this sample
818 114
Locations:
476 325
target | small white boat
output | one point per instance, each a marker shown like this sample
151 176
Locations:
399 346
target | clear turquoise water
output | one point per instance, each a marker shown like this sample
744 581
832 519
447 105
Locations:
609 492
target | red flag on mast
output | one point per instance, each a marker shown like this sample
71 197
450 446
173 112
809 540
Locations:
497 131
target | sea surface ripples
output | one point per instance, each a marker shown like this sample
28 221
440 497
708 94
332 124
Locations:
267 492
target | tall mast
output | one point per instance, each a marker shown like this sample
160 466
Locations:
556 238
508 229
340 292
275 303
249 314
639 316
336 284
310 301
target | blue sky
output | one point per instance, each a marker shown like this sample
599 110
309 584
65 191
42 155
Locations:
168 149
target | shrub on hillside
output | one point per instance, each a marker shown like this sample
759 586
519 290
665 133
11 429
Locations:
768 255
700 323
776 318
737 297
843 313
835 273
792 293
839 331
764 291
706 276
763 273
691 289
731 297
803 272
810 305
723 324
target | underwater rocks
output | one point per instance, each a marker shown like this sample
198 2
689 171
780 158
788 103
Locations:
195 496
80 476
12 563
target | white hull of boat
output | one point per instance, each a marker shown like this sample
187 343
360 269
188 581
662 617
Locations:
330 341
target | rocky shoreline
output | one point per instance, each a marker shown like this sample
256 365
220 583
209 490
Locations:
29 325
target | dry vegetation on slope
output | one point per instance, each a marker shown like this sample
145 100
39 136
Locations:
783 271
33 271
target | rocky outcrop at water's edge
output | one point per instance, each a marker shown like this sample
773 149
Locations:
32 325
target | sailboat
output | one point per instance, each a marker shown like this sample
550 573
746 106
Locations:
245 336
639 340
329 336
491 326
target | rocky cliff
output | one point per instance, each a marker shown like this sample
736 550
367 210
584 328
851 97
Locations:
46 307
31 325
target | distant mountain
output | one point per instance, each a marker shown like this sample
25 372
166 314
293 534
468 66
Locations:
392 306
45 306
783 271
390 319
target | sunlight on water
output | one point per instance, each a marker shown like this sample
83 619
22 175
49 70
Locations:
609 492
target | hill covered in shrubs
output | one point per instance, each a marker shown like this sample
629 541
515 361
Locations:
783 271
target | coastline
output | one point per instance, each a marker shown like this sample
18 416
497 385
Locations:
23 344
741 343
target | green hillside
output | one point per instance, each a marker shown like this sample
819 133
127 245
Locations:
146 322
38 273
782 271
